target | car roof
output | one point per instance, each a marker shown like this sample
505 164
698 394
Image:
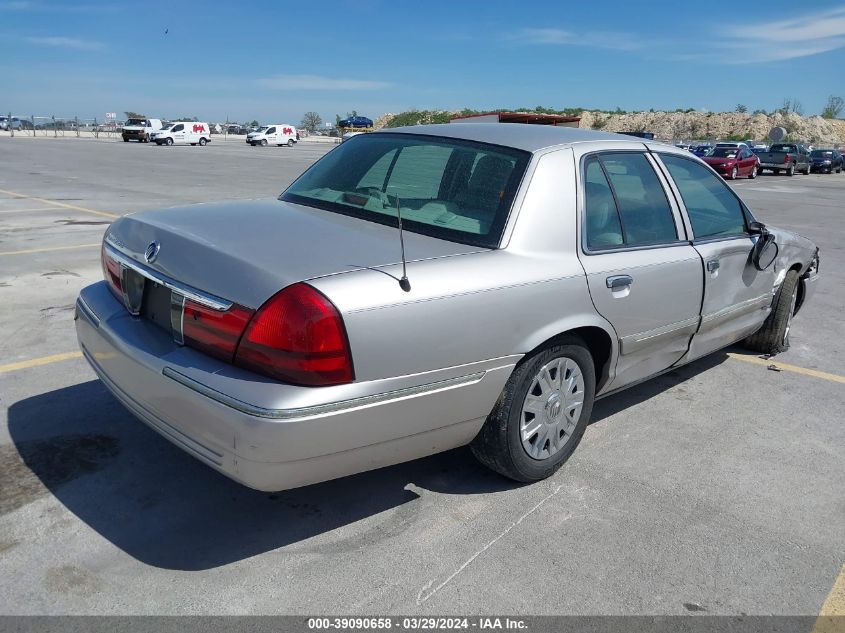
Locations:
522 136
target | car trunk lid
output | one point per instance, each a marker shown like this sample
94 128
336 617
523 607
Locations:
246 251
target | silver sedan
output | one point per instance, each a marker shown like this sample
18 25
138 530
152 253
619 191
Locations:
429 287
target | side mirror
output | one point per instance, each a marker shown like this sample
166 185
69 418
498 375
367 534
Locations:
756 227
765 251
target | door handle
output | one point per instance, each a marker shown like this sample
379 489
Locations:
712 265
619 281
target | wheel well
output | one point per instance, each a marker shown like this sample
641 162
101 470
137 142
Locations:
799 300
598 343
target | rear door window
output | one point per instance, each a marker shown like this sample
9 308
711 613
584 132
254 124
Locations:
642 210
712 207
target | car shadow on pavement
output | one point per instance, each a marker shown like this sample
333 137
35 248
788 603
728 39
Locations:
611 405
166 509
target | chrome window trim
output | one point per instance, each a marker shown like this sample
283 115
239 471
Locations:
203 298
319 409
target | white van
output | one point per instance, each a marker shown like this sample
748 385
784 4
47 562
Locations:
276 134
185 133
140 130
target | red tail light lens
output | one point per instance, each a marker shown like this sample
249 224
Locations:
213 332
111 273
787 158
298 336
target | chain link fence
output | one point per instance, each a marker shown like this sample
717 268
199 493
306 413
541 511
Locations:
53 126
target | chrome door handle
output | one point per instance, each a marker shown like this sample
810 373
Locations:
619 281
712 265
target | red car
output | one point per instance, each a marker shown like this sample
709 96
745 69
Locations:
733 162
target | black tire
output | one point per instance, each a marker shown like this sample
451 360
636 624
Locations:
169 142
734 173
791 170
773 336
264 142
203 142
290 142
753 173
499 444
125 140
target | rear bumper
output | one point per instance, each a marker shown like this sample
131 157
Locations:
272 436
775 165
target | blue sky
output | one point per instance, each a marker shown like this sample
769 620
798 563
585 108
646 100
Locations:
277 60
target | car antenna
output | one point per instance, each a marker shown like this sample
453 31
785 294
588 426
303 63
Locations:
403 283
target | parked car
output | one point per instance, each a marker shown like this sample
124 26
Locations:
701 150
286 342
785 157
826 160
184 133
733 162
235 129
276 134
140 130
355 121
10 124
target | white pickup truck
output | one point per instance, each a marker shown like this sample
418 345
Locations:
140 129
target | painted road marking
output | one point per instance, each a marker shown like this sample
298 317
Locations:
832 616
37 362
59 204
48 249
815 373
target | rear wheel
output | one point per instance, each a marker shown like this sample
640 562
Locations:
541 414
290 142
773 336
791 170
203 142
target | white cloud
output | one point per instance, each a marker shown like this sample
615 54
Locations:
66 42
777 40
592 39
316 82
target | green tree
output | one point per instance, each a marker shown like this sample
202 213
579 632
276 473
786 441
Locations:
254 123
311 121
741 108
833 108
133 115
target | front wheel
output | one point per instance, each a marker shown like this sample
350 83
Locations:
734 173
264 142
773 336
753 173
541 415
169 142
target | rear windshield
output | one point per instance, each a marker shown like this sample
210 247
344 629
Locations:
783 148
457 190
822 153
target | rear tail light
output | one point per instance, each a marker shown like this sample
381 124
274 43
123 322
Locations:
214 332
298 336
787 158
111 273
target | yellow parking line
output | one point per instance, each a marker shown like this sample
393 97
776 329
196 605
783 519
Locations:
832 616
37 362
5 210
815 373
59 204
47 250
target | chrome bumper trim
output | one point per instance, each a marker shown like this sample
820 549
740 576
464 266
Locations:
319 409
87 312
203 298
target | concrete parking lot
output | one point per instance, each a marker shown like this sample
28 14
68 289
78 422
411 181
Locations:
716 488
